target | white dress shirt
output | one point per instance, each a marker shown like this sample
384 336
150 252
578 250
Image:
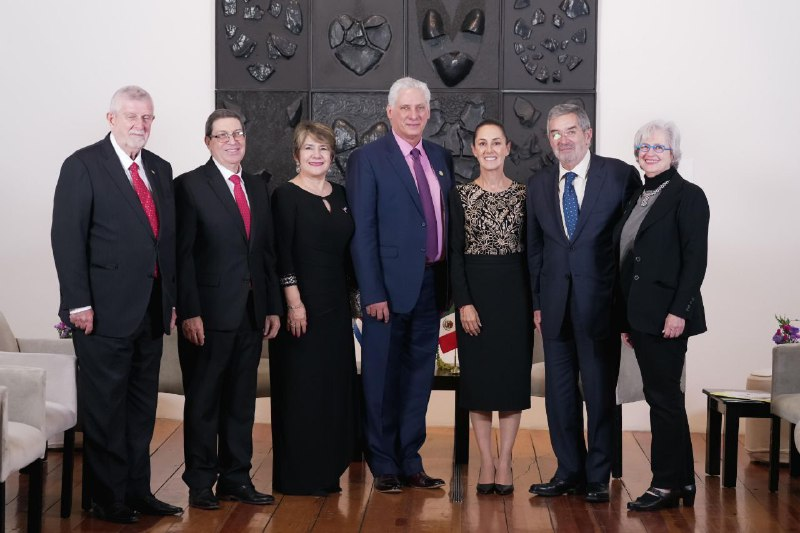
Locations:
227 175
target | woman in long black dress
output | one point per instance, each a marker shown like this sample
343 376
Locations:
491 290
312 362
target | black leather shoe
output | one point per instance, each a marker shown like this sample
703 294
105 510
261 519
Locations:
150 505
689 492
596 492
388 483
118 513
421 480
203 499
557 487
655 499
244 494
504 490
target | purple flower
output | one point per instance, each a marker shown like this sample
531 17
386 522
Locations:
777 338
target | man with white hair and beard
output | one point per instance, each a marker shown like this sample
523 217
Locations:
113 238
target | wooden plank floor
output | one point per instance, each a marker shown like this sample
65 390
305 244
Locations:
750 507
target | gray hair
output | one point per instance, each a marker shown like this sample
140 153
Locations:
129 92
673 137
569 109
408 83
222 113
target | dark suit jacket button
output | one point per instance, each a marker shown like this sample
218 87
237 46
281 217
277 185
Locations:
567 276
636 277
423 224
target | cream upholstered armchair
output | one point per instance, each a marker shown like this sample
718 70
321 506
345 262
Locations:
61 408
22 438
629 389
785 405
10 343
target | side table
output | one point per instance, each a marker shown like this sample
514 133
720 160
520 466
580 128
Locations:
733 409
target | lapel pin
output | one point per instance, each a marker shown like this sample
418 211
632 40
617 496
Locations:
344 209
441 173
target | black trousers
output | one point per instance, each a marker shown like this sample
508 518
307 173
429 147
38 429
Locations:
118 393
571 356
661 362
219 381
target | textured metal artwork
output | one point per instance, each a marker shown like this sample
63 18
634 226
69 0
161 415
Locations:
574 8
230 30
452 57
294 17
228 7
243 46
275 9
554 40
253 12
521 4
261 71
359 45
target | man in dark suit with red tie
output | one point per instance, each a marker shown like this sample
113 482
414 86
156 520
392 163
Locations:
397 188
113 238
228 300
573 207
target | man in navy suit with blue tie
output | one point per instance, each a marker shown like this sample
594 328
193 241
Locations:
572 210
397 188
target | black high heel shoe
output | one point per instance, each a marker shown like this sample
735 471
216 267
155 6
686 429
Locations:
484 488
504 490
655 499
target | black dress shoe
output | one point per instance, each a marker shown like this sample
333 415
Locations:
484 488
421 480
150 505
557 487
203 499
118 513
504 490
596 492
244 494
689 492
388 483
655 499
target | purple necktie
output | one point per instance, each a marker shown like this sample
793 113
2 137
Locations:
431 237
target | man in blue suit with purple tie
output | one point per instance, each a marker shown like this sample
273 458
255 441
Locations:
397 188
572 210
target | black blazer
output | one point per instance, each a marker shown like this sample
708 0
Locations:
665 268
587 261
217 264
104 249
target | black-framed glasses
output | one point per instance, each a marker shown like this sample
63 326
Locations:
224 136
657 148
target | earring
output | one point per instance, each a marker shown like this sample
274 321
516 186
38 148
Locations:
297 168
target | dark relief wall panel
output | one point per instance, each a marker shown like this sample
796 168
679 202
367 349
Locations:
549 45
333 61
357 45
454 43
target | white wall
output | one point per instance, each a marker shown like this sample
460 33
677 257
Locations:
706 65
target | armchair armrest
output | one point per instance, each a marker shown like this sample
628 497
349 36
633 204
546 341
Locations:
63 346
785 369
26 386
60 384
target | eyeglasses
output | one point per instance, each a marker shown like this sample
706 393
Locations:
131 117
657 148
569 134
224 136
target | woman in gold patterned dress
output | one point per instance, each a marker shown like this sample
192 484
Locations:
491 291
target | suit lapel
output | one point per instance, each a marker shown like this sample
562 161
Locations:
220 188
120 179
551 191
395 156
595 180
439 168
663 204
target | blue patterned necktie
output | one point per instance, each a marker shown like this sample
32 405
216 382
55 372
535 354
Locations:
570 204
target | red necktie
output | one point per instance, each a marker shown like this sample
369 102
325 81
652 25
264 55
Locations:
147 202
241 202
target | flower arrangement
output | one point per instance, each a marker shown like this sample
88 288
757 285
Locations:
786 332
64 331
